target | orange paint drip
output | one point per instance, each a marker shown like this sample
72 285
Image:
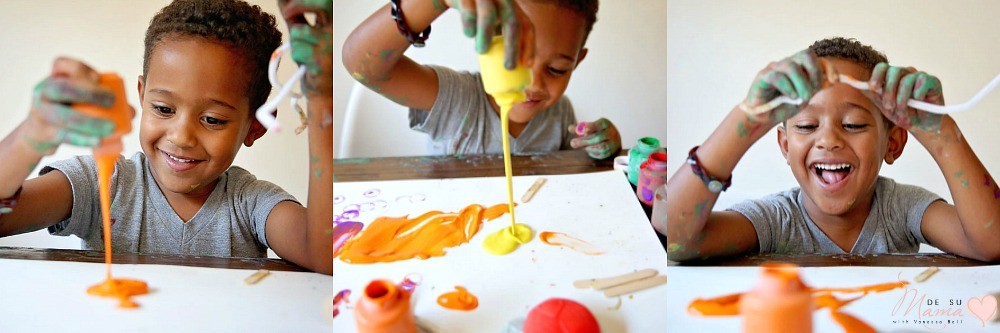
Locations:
106 154
576 244
729 305
390 239
460 299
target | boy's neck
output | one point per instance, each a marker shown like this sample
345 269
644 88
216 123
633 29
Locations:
515 128
843 229
186 205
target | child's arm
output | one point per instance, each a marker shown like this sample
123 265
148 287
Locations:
373 53
970 227
692 229
46 200
303 235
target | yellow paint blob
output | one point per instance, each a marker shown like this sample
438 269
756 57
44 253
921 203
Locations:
390 239
507 88
507 240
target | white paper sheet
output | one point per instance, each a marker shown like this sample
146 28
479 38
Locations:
950 284
51 296
598 207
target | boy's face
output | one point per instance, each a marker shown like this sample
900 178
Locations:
559 37
835 145
195 113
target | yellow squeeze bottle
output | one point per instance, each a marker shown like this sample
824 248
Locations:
506 87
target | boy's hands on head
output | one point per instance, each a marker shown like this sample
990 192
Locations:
312 45
52 120
797 76
480 18
599 138
897 85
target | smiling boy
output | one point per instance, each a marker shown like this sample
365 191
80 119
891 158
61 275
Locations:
835 144
204 71
547 36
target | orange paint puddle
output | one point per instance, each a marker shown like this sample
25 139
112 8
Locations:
460 299
105 155
390 239
729 305
576 244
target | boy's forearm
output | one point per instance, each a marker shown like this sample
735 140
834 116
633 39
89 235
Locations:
319 209
975 192
376 46
689 201
19 160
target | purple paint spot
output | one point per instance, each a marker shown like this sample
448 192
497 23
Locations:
338 199
372 193
987 182
647 194
343 232
340 298
411 281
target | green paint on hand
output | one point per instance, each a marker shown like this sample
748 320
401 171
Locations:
742 130
990 224
965 183
317 173
674 247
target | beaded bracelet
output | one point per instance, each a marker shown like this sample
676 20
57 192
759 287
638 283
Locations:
714 184
7 205
415 39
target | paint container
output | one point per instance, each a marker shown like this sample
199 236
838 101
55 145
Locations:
659 216
638 154
560 315
652 174
780 302
384 308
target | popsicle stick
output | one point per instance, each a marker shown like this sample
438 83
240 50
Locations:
635 286
256 276
534 188
926 274
600 284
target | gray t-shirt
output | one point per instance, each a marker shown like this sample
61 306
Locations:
892 226
462 121
229 224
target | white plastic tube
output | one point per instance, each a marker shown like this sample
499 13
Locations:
263 113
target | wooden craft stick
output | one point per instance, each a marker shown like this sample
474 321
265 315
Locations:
926 274
635 286
534 188
256 276
600 284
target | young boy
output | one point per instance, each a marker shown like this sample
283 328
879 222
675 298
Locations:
835 143
547 36
204 73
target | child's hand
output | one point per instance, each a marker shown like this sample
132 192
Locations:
312 45
897 85
52 121
600 138
798 76
480 18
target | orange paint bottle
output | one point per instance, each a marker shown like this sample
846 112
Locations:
384 308
780 302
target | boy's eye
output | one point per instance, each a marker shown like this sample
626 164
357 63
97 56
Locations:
557 71
162 110
805 127
213 121
855 126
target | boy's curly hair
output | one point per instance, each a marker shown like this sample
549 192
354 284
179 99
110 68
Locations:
245 29
849 49
585 8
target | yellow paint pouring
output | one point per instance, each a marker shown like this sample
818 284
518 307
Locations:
106 154
390 239
507 88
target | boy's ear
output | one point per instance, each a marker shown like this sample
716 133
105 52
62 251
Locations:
256 131
139 86
579 58
783 142
897 141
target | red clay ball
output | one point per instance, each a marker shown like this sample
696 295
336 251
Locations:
560 315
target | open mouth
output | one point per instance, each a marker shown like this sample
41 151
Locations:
831 174
179 163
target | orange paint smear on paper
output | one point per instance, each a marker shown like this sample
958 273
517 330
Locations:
105 155
390 239
460 299
561 239
729 305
